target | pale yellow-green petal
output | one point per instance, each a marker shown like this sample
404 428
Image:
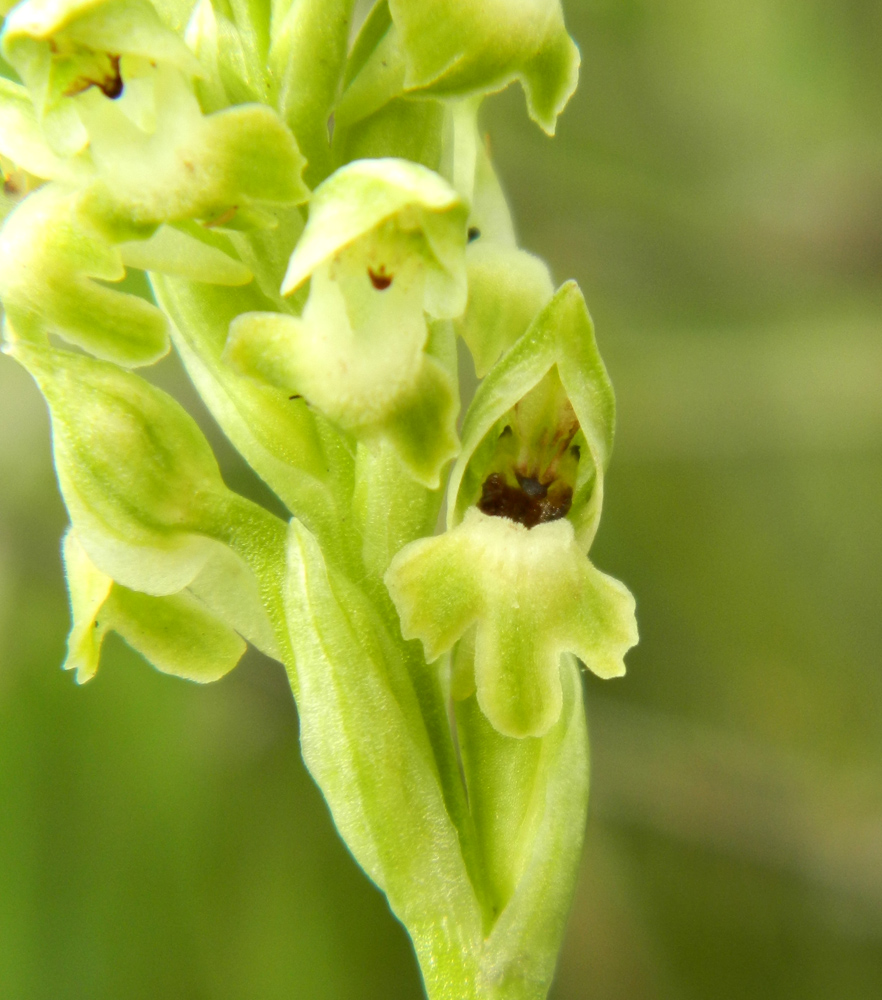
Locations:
49 258
533 596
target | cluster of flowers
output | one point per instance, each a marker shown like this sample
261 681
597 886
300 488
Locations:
320 221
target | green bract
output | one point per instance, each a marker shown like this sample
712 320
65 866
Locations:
138 478
306 56
185 142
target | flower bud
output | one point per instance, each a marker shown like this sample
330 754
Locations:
232 54
507 288
307 53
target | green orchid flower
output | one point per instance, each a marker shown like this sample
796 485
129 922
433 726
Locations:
63 49
384 253
447 48
512 566
52 265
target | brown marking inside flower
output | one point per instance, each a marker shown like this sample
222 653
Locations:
379 279
529 503
111 84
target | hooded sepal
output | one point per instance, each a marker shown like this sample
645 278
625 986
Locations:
532 594
538 434
375 215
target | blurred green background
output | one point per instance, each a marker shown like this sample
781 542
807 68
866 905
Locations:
716 188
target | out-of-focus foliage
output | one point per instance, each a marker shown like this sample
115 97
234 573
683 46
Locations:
715 189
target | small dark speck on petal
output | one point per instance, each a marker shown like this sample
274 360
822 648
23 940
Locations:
380 281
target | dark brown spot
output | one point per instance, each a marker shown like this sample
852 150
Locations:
11 185
380 280
295 396
529 503
473 233
111 84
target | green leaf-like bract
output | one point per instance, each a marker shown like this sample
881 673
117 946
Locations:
139 479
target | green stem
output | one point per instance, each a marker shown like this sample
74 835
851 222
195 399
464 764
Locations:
428 689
